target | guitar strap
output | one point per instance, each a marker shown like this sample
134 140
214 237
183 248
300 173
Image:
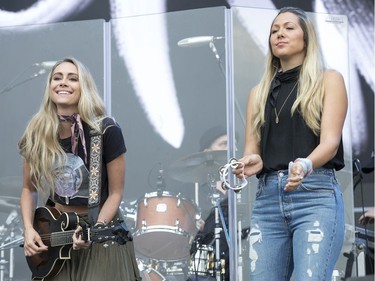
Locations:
95 176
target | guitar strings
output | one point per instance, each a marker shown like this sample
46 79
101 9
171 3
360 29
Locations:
64 234
58 235
46 238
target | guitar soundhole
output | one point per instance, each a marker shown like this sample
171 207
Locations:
43 226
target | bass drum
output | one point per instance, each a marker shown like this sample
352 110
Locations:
149 274
165 225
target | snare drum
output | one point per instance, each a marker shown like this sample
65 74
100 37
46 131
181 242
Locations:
164 227
202 262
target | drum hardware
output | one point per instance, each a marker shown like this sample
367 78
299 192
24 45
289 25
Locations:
204 243
178 268
215 196
3 263
202 261
148 273
160 182
170 270
9 203
128 213
366 236
206 260
218 229
222 262
12 237
207 167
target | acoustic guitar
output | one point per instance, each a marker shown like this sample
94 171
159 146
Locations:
56 230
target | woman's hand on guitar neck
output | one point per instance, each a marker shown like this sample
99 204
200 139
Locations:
33 243
78 241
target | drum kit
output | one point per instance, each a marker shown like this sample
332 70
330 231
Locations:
11 235
164 224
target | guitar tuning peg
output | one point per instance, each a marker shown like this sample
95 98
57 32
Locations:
105 245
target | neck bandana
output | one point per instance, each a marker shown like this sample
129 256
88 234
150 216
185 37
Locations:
77 132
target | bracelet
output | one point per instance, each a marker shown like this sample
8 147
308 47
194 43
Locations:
99 222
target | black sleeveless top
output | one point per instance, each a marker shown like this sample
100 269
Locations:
291 138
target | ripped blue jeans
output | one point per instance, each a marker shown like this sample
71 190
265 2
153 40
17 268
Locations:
300 231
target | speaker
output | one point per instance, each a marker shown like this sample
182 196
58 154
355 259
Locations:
364 278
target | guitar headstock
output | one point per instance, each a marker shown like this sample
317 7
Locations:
114 231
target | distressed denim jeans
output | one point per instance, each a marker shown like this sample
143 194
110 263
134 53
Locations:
300 231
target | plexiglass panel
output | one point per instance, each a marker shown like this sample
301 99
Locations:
168 90
28 53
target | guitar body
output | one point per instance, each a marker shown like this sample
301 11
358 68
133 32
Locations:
46 221
56 230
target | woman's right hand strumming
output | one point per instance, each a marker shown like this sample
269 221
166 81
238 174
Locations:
33 243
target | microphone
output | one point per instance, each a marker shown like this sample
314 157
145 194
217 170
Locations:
197 41
196 245
45 64
40 72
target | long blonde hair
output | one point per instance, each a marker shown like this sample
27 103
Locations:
39 144
310 95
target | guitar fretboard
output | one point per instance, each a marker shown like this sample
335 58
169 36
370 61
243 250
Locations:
61 238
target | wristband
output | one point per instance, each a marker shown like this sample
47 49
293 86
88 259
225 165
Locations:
306 164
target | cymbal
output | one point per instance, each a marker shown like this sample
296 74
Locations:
198 167
8 203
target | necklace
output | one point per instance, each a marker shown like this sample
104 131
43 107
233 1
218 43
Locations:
282 106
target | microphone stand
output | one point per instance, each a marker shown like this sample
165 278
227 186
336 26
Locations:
218 58
12 83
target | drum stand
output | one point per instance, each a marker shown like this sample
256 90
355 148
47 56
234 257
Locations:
3 261
217 243
215 198
219 260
